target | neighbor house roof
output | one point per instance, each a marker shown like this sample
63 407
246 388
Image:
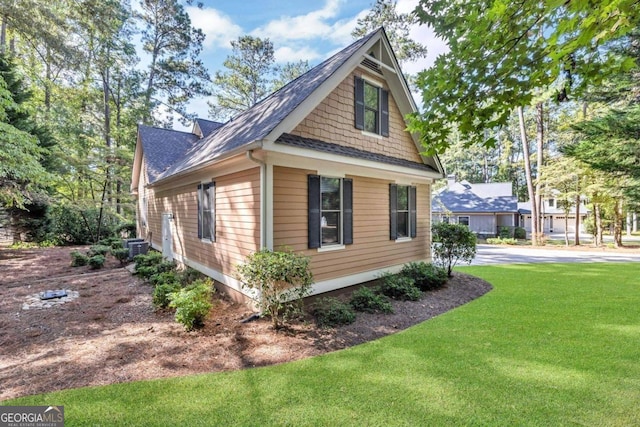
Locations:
162 147
258 121
524 208
208 126
460 197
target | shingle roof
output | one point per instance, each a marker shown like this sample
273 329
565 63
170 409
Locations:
162 147
462 199
258 121
208 126
328 147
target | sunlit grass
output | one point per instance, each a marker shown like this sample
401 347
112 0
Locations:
552 344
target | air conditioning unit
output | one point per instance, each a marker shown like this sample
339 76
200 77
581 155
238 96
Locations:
137 248
127 242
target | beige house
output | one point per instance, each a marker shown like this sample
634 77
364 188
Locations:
322 166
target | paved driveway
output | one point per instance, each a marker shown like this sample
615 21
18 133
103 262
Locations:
488 254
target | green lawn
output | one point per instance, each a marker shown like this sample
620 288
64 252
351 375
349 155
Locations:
552 344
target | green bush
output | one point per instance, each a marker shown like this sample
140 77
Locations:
165 277
399 287
504 232
452 243
192 303
427 277
330 312
126 229
190 275
121 254
146 272
162 293
78 259
280 279
519 233
165 266
502 241
96 261
99 250
148 259
367 300
75 225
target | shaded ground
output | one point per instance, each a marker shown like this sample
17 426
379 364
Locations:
112 333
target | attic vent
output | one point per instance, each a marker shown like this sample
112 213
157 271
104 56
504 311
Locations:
371 65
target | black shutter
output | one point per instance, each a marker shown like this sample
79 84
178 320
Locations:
384 112
412 211
314 211
393 211
359 104
347 200
212 204
199 211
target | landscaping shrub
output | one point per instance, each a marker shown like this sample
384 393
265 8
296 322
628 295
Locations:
399 287
165 277
165 266
504 232
281 279
192 303
162 293
519 233
121 254
99 250
367 300
126 229
78 259
96 261
330 312
189 275
452 243
427 277
75 225
148 259
502 241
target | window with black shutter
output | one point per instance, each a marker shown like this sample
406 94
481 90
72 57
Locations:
371 107
330 202
402 211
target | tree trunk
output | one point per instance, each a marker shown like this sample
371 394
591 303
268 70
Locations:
597 217
577 233
3 35
617 224
566 228
527 169
538 192
107 133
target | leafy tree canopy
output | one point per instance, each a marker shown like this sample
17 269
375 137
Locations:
504 53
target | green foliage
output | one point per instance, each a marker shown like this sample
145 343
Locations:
161 296
367 300
279 279
73 225
452 243
78 259
99 250
96 261
504 232
330 312
399 287
502 241
147 260
190 275
121 254
192 303
503 54
426 277
165 266
126 230
165 277
520 233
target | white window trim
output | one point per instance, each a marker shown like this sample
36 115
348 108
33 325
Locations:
371 134
201 203
329 248
407 238
404 239
334 246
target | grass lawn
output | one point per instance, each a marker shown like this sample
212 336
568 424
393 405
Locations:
552 344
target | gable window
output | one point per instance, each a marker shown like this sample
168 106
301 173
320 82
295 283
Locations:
207 211
551 203
464 220
330 211
402 211
371 108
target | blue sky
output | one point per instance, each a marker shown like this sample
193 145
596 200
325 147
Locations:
300 30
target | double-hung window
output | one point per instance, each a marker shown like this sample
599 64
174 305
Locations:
330 211
371 108
402 211
207 211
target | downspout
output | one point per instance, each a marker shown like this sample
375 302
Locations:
263 198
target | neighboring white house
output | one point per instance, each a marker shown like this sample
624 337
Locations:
554 216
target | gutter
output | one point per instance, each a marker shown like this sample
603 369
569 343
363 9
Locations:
263 197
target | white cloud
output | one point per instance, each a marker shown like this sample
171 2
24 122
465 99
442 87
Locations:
219 29
292 54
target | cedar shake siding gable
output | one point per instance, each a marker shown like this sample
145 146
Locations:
333 121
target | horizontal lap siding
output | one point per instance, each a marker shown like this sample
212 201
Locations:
237 220
372 249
